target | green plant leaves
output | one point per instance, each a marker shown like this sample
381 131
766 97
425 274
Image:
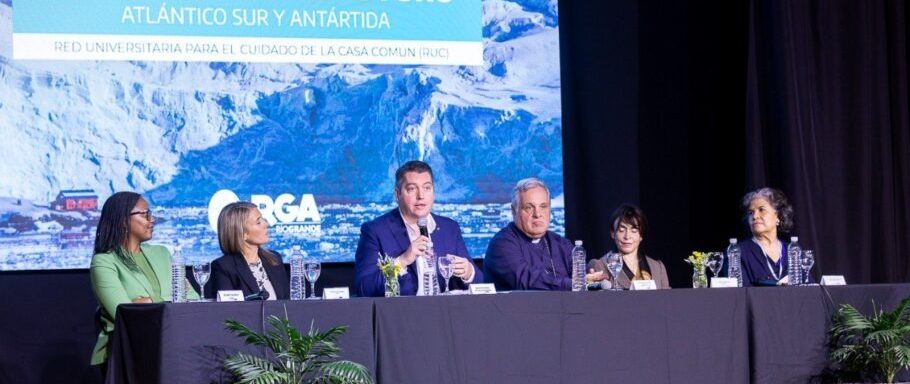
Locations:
297 357
253 369
871 346
345 372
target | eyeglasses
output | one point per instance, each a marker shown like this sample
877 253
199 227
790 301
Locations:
146 213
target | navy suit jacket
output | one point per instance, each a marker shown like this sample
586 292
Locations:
231 272
388 234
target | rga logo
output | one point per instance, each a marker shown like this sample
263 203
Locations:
284 213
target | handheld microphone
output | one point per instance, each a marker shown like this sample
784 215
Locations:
422 225
600 285
261 295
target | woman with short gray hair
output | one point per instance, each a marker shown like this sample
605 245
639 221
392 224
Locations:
768 214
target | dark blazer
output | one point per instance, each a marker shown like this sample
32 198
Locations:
755 264
231 272
388 234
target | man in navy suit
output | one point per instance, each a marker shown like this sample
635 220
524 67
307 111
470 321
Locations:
397 234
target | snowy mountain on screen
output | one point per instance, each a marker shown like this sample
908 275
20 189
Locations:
181 130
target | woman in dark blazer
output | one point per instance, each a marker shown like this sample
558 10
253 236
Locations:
768 214
245 264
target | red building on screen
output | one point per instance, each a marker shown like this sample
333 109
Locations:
76 200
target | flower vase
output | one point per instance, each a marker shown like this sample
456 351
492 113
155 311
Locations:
699 278
392 288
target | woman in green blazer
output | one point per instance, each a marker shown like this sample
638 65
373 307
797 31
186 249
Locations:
123 269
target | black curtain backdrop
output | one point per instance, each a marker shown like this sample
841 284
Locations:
679 107
828 123
653 107
692 104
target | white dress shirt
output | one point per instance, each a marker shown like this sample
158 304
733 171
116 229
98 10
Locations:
421 262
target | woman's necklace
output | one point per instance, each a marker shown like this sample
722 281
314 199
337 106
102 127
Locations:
254 260
780 268
772 249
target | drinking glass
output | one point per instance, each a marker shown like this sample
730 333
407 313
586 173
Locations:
445 269
614 265
806 262
201 271
715 262
311 269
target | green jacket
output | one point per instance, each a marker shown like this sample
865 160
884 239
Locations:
115 284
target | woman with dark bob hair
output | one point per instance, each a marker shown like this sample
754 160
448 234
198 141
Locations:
123 268
768 214
629 230
246 264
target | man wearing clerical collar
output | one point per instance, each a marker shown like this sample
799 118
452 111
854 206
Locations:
398 235
526 255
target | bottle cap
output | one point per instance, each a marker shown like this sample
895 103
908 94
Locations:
733 240
794 239
577 243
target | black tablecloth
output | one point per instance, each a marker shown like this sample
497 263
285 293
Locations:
561 337
762 335
187 342
789 327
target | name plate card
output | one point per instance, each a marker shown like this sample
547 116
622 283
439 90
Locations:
482 289
643 285
724 282
230 295
833 280
336 293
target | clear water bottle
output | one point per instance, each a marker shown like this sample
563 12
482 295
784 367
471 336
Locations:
734 262
178 277
579 260
430 280
794 268
298 289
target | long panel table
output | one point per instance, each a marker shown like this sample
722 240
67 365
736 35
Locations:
759 335
187 342
560 337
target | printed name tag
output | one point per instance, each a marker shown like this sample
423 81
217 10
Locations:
336 293
833 280
724 282
482 289
230 295
643 285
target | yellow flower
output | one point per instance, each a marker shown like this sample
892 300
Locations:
697 258
388 266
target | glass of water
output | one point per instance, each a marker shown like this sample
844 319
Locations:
715 262
311 269
201 271
806 262
445 269
614 265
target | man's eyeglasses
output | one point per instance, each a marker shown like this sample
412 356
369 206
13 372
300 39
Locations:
146 213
